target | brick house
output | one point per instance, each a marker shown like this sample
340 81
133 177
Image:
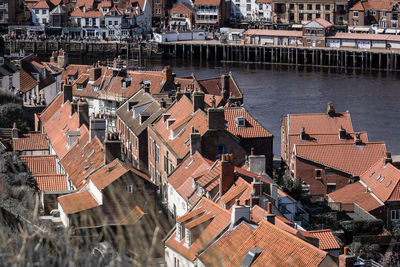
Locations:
314 32
384 13
377 192
181 17
133 117
211 14
324 168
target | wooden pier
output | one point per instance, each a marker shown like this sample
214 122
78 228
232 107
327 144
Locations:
311 56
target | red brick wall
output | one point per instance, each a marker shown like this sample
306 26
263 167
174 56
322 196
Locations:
305 170
356 21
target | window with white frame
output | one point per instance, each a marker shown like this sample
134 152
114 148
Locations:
395 215
355 14
129 188
158 11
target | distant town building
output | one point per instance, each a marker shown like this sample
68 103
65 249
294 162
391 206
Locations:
384 13
251 11
181 17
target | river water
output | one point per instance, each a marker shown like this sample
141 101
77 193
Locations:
270 91
373 98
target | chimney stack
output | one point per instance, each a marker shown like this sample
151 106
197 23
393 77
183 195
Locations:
62 59
255 196
225 86
331 110
94 74
163 103
167 74
112 147
238 212
387 158
14 131
67 92
257 163
195 142
346 260
270 216
83 112
216 119
198 100
227 177
357 139
303 135
342 133
97 127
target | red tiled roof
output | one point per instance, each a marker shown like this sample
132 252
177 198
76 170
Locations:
355 193
323 22
104 4
26 82
383 181
373 5
252 129
91 14
52 182
207 2
279 248
182 8
37 64
274 33
51 108
132 217
365 36
77 12
108 174
58 125
349 158
31 141
319 123
117 12
327 240
41 4
264 1
41 164
220 220
83 158
76 202
237 191
213 86
74 69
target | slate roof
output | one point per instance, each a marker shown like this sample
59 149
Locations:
153 109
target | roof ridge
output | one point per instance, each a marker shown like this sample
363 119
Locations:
341 144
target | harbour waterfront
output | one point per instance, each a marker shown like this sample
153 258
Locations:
272 91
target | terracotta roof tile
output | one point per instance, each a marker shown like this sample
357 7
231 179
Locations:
349 158
41 164
58 125
218 223
251 129
133 216
51 182
108 174
273 33
182 8
373 5
42 4
383 180
76 202
26 82
355 193
323 22
213 86
31 141
327 240
207 2
51 108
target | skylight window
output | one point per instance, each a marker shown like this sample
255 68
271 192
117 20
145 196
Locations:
383 178
91 153
372 173
190 163
58 114
379 177
240 122
389 184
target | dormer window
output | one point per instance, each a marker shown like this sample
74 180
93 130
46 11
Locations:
170 122
96 87
240 122
79 86
165 116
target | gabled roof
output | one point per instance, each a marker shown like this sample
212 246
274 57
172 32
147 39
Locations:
132 119
40 164
219 221
385 5
319 22
252 128
355 193
278 248
213 86
31 141
51 182
349 158
383 180
182 8
42 4
30 65
319 123
76 202
207 2
26 82
61 122
83 158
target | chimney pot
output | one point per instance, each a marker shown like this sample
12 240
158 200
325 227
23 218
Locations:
331 110
269 208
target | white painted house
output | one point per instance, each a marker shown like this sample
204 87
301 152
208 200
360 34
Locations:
251 10
41 13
